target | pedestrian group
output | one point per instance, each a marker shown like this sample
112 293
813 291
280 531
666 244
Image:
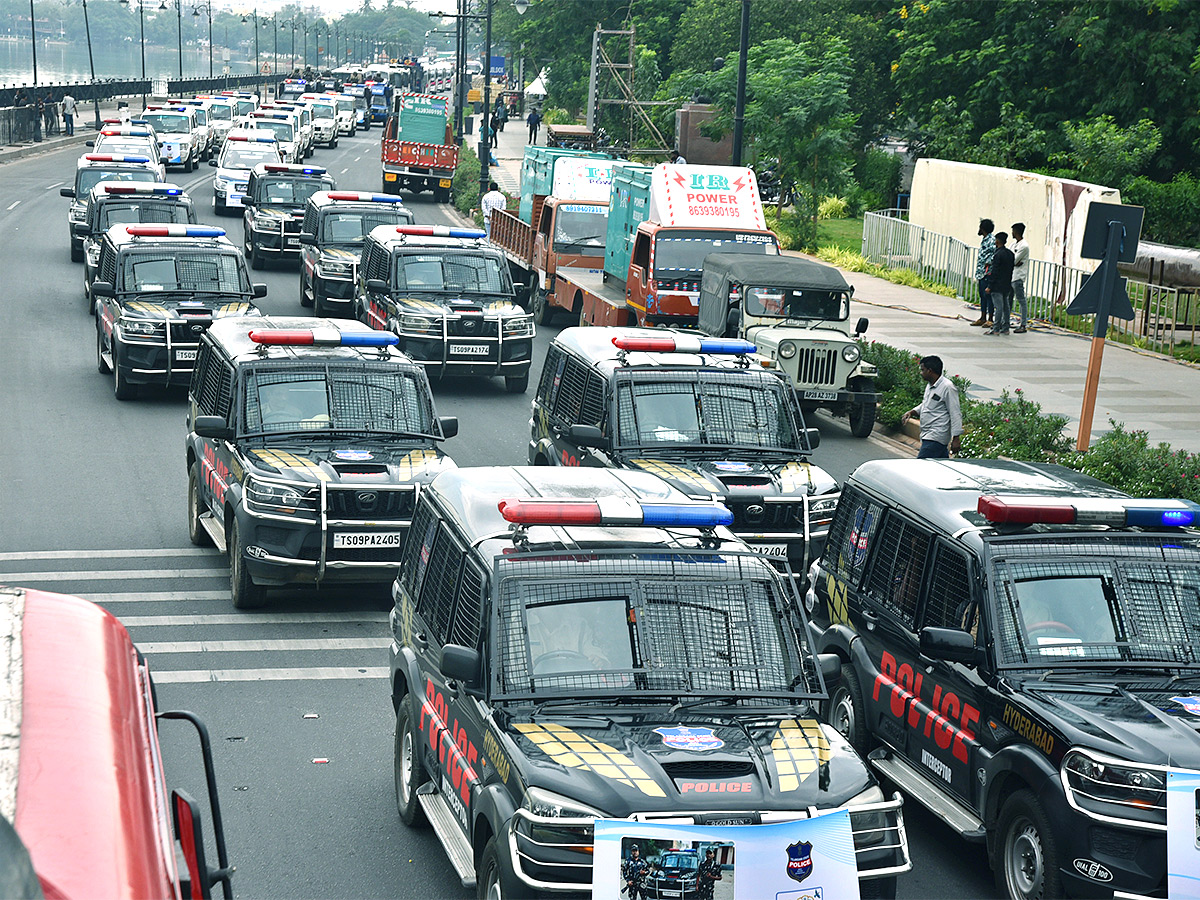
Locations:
1000 272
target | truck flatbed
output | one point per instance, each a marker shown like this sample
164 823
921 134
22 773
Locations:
600 302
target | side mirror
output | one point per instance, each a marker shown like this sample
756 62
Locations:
461 664
260 290
103 289
248 202
830 665
861 326
90 144
587 436
733 321
449 425
812 438
952 644
66 192
213 427
308 240
213 163
81 229
378 286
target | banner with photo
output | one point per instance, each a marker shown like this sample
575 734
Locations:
1183 835
808 859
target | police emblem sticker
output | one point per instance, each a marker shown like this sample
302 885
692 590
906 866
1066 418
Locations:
353 455
799 861
1191 704
681 737
860 536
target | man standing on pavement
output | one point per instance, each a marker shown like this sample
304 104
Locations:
1000 284
491 201
983 265
939 412
1020 251
69 113
534 120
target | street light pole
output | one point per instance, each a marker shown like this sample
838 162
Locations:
33 34
485 148
739 113
91 64
195 13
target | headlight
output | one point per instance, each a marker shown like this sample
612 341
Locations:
93 253
869 827
261 221
555 806
280 498
75 213
1112 788
821 508
787 350
851 353
420 324
220 184
518 326
337 268
141 327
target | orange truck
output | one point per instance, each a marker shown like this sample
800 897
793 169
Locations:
561 222
418 151
662 222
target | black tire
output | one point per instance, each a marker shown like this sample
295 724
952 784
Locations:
101 365
862 415
408 773
305 300
218 208
122 389
353 130
543 312
196 532
333 144
848 712
517 384
877 889
76 252
1026 863
441 195
242 589
494 878
256 258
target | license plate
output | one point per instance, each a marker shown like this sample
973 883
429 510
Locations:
389 176
774 551
469 349
350 539
185 355
820 395
445 182
293 242
236 199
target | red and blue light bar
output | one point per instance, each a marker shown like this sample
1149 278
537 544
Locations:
440 231
1115 513
108 157
295 170
323 337
206 231
615 513
160 190
364 197
254 140
683 343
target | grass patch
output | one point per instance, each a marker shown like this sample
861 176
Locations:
853 261
844 234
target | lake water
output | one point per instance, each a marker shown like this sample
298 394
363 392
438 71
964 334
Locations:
60 61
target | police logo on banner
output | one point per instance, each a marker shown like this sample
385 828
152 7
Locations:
860 537
799 864
683 738
1191 704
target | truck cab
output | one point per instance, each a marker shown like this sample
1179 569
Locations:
418 151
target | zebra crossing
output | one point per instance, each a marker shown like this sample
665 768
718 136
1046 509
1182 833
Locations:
176 604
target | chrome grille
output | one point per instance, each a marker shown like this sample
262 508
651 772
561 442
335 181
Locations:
816 365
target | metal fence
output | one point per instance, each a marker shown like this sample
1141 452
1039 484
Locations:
1164 317
108 90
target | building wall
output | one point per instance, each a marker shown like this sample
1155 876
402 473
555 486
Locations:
695 147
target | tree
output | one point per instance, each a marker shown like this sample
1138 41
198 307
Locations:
1103 153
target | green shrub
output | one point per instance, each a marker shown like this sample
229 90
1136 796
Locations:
877 177
898 381
832 208
465 186
1126 460
1171 216
1014 427
856 262
556 116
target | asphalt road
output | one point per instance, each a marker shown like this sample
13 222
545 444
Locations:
93 502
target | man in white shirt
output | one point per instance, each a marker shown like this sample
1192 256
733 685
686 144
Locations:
1020 251
940 413
68 103
492 201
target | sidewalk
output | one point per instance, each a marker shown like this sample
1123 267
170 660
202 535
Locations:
85 130
1145 391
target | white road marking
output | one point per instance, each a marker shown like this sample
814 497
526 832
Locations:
343 172
110 575
153 647
310 674
14 205
107 554
51 187
357 158
253 619
156 597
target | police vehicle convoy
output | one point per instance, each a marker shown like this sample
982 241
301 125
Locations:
332 233
93 168
274 204
570 645
1020 652
308 441
113 203
158 288
697 412
180 138
448 294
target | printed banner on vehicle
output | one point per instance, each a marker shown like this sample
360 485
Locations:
1183 835
704 196
809 859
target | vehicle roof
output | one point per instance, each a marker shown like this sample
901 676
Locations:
595 345
387 236
123 240
945 493
292 171
776 271
233 335
85 163
147 190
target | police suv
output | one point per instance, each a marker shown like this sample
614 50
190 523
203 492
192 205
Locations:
285 126
308 442
570 646
135 139
274 205
180 137
1021 654
448 294
324 118
244 149
113 203
90 171
700 412
332 234
158 288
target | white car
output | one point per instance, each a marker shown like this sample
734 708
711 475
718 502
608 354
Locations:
244 149
131 140
347 122
221 113
200 106
303 122
286 130
324 116
179 137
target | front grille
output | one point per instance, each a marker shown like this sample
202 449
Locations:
756 515
815 365
1114 842
370 504
710 769
472 326
182 333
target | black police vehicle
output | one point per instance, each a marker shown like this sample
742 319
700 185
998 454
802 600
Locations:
157 289
448 294
274 205
1021 654
308 442
332 234
93 168
575 644
694 410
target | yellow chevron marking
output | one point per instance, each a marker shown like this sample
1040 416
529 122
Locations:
799 748
577 751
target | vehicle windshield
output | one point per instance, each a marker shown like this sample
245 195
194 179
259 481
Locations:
123 212
581 227
281 128
177 269
1109 600
352 226
201 115
245 107
244 155
796 303
337 397
705 408
168 123
680 254
90 177
125 145
618 623
679 861
222 112
443 272
322 111
345 105
289 191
